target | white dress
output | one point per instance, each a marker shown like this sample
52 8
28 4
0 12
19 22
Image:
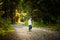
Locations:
29 22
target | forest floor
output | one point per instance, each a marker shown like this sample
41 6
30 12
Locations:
21 33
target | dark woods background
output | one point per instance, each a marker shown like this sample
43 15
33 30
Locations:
43 11
46 11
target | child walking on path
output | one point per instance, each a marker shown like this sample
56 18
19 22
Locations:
30 24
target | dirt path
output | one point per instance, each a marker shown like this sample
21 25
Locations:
22 33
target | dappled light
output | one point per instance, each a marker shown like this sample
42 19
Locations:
1 3
18 17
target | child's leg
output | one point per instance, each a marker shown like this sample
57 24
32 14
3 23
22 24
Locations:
30 27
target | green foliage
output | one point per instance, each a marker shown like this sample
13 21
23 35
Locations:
2 33
8 7
39 25
26 23
5 26
8 20
46 10
5 23
48 26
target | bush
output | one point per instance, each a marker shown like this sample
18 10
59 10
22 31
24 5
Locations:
37 24
4 22
5 26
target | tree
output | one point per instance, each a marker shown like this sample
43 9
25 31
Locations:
9 7
47 10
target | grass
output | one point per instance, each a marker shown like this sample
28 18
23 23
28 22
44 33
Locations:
5 26
6 30
26 23
49 26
